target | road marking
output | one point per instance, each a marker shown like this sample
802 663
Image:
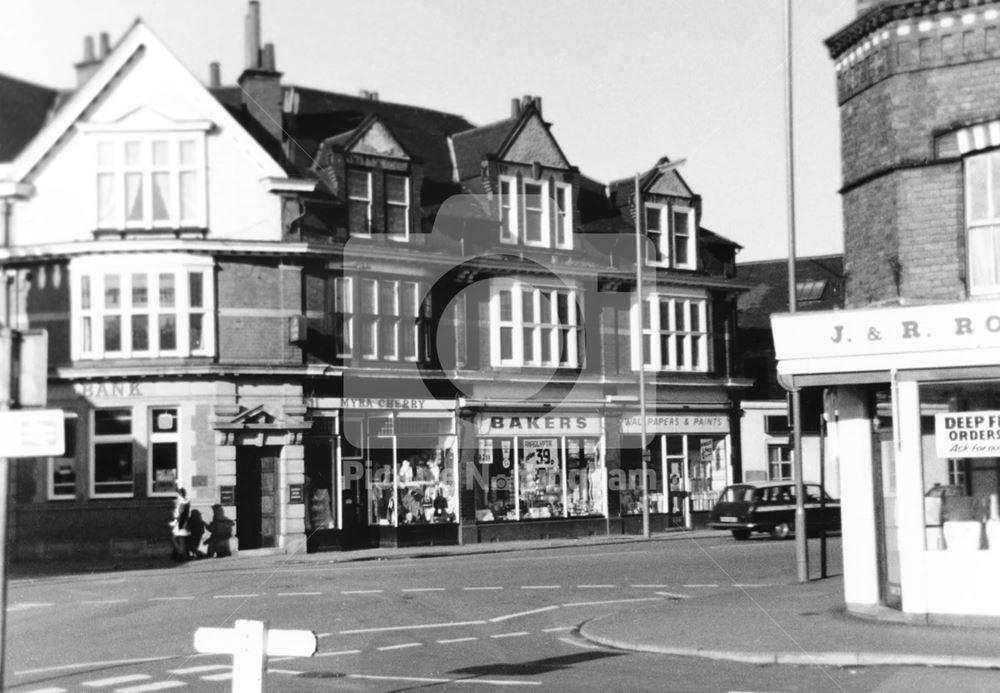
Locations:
594 587
616 601
287 672
708 585
29 605
336 654
362 592
509 635
557 629
658 587
451 640
420 627
198 670
234 596
218 677
540 587
114 681
105 601
425 679
424 589
751 584
476 589
403 646
49 690
674 595
169 599
155 686
523 613
300 594
88 665
561 556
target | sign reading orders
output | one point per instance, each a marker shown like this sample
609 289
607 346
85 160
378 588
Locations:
967 434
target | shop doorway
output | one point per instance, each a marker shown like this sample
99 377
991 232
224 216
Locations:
887 525
256 471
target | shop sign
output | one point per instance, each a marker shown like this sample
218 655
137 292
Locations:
392 403
882 331
526 423
227 495
543 452
92 390
967 434
295 494
677 423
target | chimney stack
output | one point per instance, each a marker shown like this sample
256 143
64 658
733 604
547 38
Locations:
88 66
214 76
105 45
260 82
515 107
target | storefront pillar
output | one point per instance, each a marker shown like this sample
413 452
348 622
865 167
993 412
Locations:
850 414
292 510
909 494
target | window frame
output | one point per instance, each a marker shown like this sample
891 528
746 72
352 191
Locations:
784 461
353 200
685 335
155 437
343 310
987 223
513 209
404 205
111 439
542 328
70 422
90 312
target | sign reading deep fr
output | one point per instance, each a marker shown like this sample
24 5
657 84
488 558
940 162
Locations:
967 434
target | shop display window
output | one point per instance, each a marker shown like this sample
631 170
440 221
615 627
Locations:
960 443
539 478
412 480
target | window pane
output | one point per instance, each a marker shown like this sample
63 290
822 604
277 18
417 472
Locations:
188 195
408 338
368 296
168 332
645 314
387 298
395 189
133 196
528 339
562 207
408 299
112 291
133 153
395 220
160 155
679 323
196 284
547 336
357 213
978 188
140 332
695 351
85 293
140 291
664 314
113 467
168 293
357 184
680 351
367 337
105 154
695 317
533 230
107 207
562 310
994 186
187 151
86 341
164 467
652 218
112 333
195 332
506 343
506 306
112 422
387 339
528 306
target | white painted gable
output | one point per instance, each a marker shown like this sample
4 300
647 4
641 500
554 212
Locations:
534 143
378 141
142 88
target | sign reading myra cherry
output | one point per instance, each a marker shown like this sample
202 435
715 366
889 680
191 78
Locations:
967 434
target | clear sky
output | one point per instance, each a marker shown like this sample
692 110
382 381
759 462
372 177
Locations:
623 82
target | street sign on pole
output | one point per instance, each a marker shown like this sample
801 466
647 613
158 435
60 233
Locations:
32 433
251 643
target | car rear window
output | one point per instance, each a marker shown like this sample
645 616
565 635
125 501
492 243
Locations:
737 494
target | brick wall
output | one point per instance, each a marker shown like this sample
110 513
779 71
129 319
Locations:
256 300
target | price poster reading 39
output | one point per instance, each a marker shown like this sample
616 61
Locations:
541 453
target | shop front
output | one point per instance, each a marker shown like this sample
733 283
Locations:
382 472
913 409
689 464
535 474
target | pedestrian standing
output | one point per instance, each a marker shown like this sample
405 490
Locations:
179 525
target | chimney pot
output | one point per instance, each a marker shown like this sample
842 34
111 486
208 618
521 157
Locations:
268 61
515 107
253 36
105 45
538 104
88 49
214 76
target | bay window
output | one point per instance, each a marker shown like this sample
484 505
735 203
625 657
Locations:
142 307
674 333
533 326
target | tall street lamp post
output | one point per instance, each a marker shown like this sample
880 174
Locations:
639 264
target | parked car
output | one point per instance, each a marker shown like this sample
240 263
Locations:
769 506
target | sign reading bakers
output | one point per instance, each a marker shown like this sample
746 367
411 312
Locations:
967 434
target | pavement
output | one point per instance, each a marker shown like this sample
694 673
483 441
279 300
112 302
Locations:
798 623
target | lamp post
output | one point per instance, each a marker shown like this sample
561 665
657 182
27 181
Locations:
639 263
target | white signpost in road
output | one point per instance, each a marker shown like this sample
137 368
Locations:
250 643
32 433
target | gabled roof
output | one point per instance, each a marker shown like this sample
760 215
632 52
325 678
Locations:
137 43
471 145
24 110
819 279
653 181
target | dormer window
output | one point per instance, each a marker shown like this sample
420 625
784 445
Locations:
671 230
148 181
359 202
537 213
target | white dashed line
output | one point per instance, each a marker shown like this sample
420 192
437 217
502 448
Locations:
116 680
616 601
403 646
49 690
218 677
420 627
557 629
337 654
640 587
709 585
674 595
234 596
362 592
286 672
105 601
424 589
540 587
523 613
426 679
476 589
198 670
453 640
148 687
300 594
751 584
170 599
594 587
509 635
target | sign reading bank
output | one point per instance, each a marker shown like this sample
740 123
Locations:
967 434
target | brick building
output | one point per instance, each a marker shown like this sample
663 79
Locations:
909 371
348 321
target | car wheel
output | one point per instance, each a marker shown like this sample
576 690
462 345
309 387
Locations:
741 534
781 531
